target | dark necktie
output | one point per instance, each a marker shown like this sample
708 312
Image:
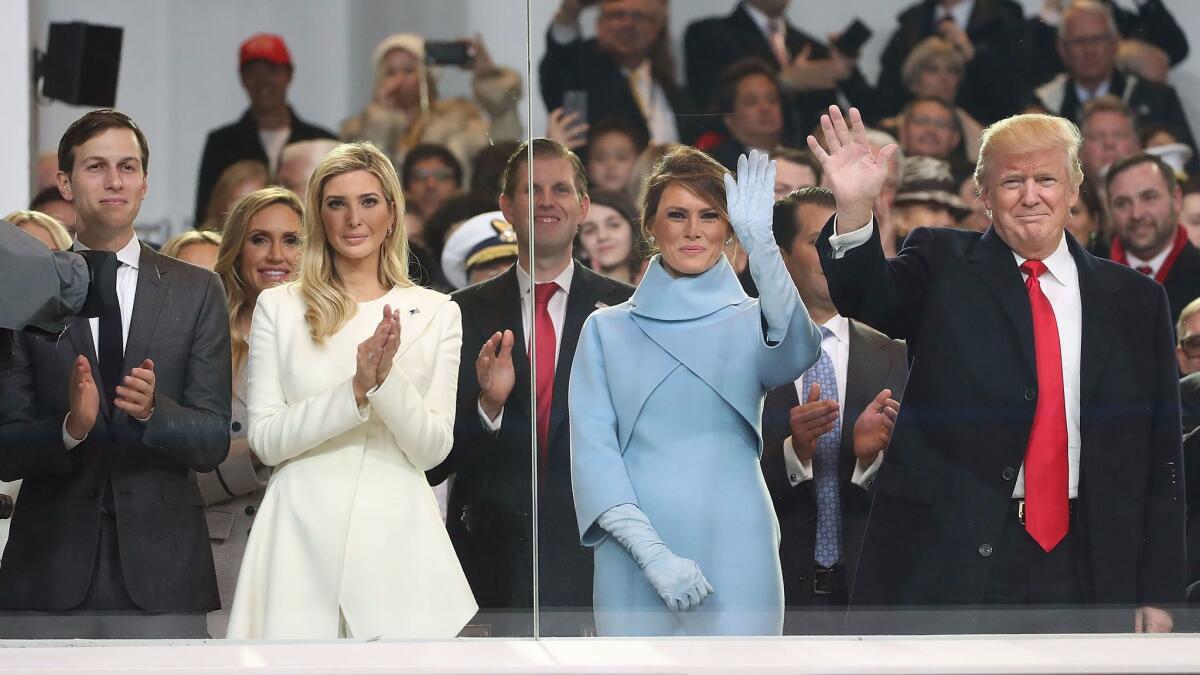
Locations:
1046 472
544 329
111 351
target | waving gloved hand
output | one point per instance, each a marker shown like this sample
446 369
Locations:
751 199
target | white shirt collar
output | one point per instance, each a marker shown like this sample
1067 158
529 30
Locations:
525 282
1084 95
1059 265
130 254
840 327
1155 263
960 14
761 20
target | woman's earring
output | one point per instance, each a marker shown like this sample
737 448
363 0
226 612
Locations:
729 240
389 232
650 239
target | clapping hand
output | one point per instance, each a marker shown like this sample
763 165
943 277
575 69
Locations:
811 420
678 581
854 174
873 428
135 394
751 199
495 372
84 397
372 353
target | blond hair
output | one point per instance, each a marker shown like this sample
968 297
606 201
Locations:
328 302
229 256
176 244
234 175
58 233
1189 310
1029 133
929 51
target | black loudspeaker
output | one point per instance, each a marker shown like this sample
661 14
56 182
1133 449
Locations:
81 63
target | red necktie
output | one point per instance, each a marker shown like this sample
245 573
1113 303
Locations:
1146 269
544 329
1046 455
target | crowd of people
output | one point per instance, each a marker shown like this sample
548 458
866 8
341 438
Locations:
772 344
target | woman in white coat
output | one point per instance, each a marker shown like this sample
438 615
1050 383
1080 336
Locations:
352 381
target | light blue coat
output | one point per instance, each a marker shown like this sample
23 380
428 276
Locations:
666 396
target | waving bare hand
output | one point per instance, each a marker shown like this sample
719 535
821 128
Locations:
853 172
495 371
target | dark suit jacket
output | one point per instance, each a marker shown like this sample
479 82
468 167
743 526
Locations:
1151 102
993 86
711 45
1191 465
874 363
1183 281
1189 402
489 513
180 321
582 65
941 497
238 141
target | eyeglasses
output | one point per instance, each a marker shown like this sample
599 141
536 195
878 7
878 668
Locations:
1191 346
1088 41
922 120
623 14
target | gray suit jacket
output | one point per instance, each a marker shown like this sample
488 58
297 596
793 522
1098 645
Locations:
180 322
875 362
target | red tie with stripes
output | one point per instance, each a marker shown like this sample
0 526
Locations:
546 347
1046 510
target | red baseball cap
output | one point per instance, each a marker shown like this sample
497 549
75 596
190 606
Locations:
266 47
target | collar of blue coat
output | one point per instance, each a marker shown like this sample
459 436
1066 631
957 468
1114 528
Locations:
666 298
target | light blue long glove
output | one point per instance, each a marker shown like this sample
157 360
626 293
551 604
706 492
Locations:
678 581
751 201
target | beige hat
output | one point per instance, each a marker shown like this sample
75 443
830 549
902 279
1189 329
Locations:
409 42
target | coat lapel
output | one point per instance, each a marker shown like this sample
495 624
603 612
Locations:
580 303
993 260
147 305
81 338
1097 299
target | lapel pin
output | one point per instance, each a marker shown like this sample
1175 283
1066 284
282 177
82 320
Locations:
414 311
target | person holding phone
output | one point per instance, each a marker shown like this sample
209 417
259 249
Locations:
406 111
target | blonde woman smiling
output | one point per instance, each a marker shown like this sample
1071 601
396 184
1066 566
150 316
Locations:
352 381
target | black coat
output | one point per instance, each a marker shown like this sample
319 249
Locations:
711 45
235 142
1183 281
942 495
993 86
874 363
489 512
180 321
1151 102
582 65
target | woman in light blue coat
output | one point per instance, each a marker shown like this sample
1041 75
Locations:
666 396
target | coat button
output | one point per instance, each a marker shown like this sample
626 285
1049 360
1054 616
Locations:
251 510
1008 473
985 550
236 427
1030 394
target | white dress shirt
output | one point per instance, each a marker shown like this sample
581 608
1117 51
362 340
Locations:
1155 264
838 348
1060 284
129 258
557 308
959 14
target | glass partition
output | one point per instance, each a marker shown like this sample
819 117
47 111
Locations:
778 429
362 473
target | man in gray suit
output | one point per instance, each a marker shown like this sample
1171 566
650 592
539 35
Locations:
823 435
106 426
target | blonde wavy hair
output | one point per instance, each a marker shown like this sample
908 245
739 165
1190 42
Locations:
328 302
229 257
58 233
233 176
176 244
